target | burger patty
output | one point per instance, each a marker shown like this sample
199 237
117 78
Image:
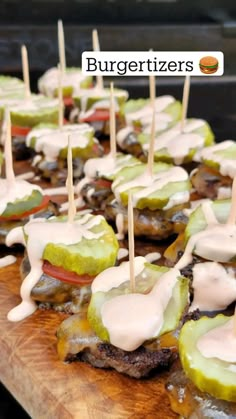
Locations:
77 342
156 225
96 193
50 292
207 181
132 146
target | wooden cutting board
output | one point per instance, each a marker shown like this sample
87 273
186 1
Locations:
48 388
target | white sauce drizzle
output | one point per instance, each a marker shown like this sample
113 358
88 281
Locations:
160 104
224 192
122 253
18 189
151 184
120 226
214 286
61 190
48 83
25 176
134 318
51 141
7 260
152 256
46 232
177 143
219 342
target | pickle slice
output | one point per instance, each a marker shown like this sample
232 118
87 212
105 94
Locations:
173 110
211 375
144 282
20 206
213 159
197 221
154 200
163 154
34 110
43 134
89 256
92 96
72 76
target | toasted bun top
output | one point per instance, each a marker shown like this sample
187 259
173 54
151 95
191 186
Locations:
209 61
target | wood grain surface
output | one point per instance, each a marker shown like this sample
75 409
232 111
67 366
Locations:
48 388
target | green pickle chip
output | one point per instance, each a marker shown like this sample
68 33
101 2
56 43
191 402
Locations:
143 285
210 375
88 256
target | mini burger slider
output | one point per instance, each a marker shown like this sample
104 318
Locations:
130 332
208 65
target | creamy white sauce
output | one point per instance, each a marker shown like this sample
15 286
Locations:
227 165
123 134
48 83
224 192
219 342
160 104
152 256
194 205
61 190
36 160
131 319
115 276
18 189
7 260
122 253
101 100
25 176
150 184
120 226
214 286
51 141
178 144
79 203
108 165
216 243
41 232
34 104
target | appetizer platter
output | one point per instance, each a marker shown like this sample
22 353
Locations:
117 255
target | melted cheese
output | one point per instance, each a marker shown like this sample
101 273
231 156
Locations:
41 232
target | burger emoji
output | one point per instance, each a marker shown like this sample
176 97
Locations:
208 65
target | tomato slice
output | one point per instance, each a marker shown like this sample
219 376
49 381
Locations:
34 210
97 115
68 101
103 183
66 276
18 131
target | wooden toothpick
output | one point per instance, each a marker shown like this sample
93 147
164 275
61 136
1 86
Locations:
25 68
185 102
61 46
131 242
232 213
10 176
96 47
151 149
70 186
152 90
60 98
112 123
